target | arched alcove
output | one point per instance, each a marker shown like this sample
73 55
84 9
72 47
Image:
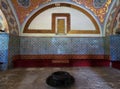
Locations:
3 23
4 39
78 20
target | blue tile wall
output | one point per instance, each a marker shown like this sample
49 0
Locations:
4 39
115 47
63 45
14 48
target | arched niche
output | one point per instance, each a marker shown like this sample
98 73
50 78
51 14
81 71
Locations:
4 39
3 23
78 20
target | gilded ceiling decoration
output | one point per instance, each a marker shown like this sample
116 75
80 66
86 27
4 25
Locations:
25 7
98 7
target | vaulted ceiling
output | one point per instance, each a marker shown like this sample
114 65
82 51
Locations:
17 12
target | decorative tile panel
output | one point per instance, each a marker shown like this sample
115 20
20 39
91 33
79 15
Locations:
88 45
14 47
4 38
115 47
57 45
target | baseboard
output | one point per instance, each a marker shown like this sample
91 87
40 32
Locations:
116 64
25 61
62 56
72 63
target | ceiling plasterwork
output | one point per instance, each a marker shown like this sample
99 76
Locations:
25 7
98 7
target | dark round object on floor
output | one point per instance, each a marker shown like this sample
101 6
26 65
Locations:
60 79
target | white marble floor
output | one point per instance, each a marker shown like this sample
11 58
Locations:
85 78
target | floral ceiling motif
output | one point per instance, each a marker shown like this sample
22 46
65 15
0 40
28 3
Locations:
25 7
24 3
99 3
98 7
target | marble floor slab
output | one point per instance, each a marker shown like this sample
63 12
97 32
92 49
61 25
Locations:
85 78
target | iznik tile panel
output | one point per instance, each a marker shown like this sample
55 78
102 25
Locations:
4 38
62 45
14 48
87 46
115 47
